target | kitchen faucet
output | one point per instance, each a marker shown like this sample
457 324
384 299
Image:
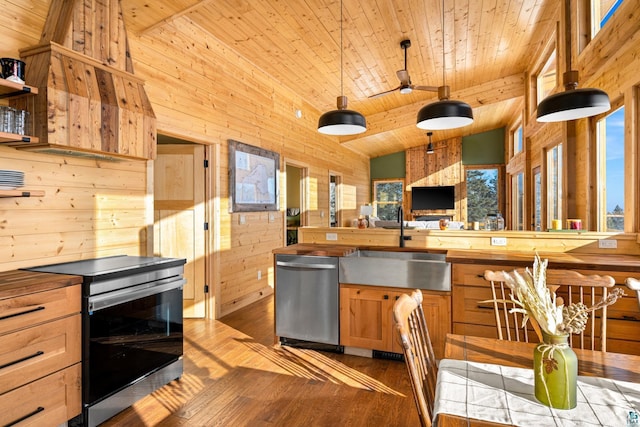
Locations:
401 221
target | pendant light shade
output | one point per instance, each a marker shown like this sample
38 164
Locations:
341 121
573 103
444 114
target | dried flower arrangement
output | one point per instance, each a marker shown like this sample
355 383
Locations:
532 298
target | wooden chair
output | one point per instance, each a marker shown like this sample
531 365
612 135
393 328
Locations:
634 284
570 287
418 352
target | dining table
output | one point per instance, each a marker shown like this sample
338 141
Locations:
486 382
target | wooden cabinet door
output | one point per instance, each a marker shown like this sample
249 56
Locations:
179 225
366 317
437 314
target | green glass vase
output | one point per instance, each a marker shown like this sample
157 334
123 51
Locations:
555 372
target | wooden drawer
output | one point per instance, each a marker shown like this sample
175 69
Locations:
467 307
49 401
473 274
32 353
28 310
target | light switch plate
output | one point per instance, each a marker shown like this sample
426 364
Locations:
498 241
608 244
242 219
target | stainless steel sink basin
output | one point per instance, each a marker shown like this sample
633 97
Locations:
404 255
400 269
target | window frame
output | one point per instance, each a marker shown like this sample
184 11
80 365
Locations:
375 195
599 163
559 174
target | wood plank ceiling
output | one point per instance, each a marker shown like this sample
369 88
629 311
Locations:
488 45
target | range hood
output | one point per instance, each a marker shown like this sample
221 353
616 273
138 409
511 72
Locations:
89 102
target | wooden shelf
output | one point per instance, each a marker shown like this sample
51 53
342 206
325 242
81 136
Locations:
14 137
21 193
9 89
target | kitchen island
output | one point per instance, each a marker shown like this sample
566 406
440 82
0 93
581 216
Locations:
459 310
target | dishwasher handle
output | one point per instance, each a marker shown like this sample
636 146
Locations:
309 266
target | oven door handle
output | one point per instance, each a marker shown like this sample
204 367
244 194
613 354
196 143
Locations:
110 299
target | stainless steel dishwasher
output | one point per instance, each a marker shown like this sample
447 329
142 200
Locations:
307 300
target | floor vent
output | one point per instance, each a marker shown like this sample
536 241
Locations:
377 354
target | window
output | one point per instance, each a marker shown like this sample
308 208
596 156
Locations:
610 171
334 200
517 201
546 79
537 199
601 12
482 193
554 183
517 140
387 196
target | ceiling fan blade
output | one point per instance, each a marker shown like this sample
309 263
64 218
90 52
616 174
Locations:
377 95
403 76
427 88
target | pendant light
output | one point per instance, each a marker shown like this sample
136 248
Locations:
341 121
430 149
573 103
446 113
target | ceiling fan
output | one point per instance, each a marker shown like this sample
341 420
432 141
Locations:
403 75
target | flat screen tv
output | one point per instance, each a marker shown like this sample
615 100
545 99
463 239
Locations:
432 198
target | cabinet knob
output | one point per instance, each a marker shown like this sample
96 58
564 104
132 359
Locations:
385 297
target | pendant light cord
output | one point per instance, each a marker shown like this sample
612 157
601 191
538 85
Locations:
444 82
341 55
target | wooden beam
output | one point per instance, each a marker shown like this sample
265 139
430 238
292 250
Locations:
481 95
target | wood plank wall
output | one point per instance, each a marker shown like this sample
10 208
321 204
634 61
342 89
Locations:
208 96
90 208
442 167
212 95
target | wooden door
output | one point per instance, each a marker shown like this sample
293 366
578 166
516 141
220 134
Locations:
179 211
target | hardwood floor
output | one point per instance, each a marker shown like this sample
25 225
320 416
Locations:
236 376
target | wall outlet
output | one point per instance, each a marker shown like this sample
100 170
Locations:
331 236
242 219
321 214
498 241
259 274
608 244
272 217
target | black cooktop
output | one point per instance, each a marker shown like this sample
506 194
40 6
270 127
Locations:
109 267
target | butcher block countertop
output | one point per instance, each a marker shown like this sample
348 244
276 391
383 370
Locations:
20 282
565 260
317 249
562 260
314 249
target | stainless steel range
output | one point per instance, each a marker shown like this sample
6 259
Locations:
132 340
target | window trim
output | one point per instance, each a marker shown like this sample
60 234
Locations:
374 197
594 177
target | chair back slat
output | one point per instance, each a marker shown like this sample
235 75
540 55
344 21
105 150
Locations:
418 352
570 287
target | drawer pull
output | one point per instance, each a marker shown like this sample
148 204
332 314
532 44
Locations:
484 307
30 414
33 310
31 356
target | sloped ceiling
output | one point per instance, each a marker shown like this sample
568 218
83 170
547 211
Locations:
482 54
